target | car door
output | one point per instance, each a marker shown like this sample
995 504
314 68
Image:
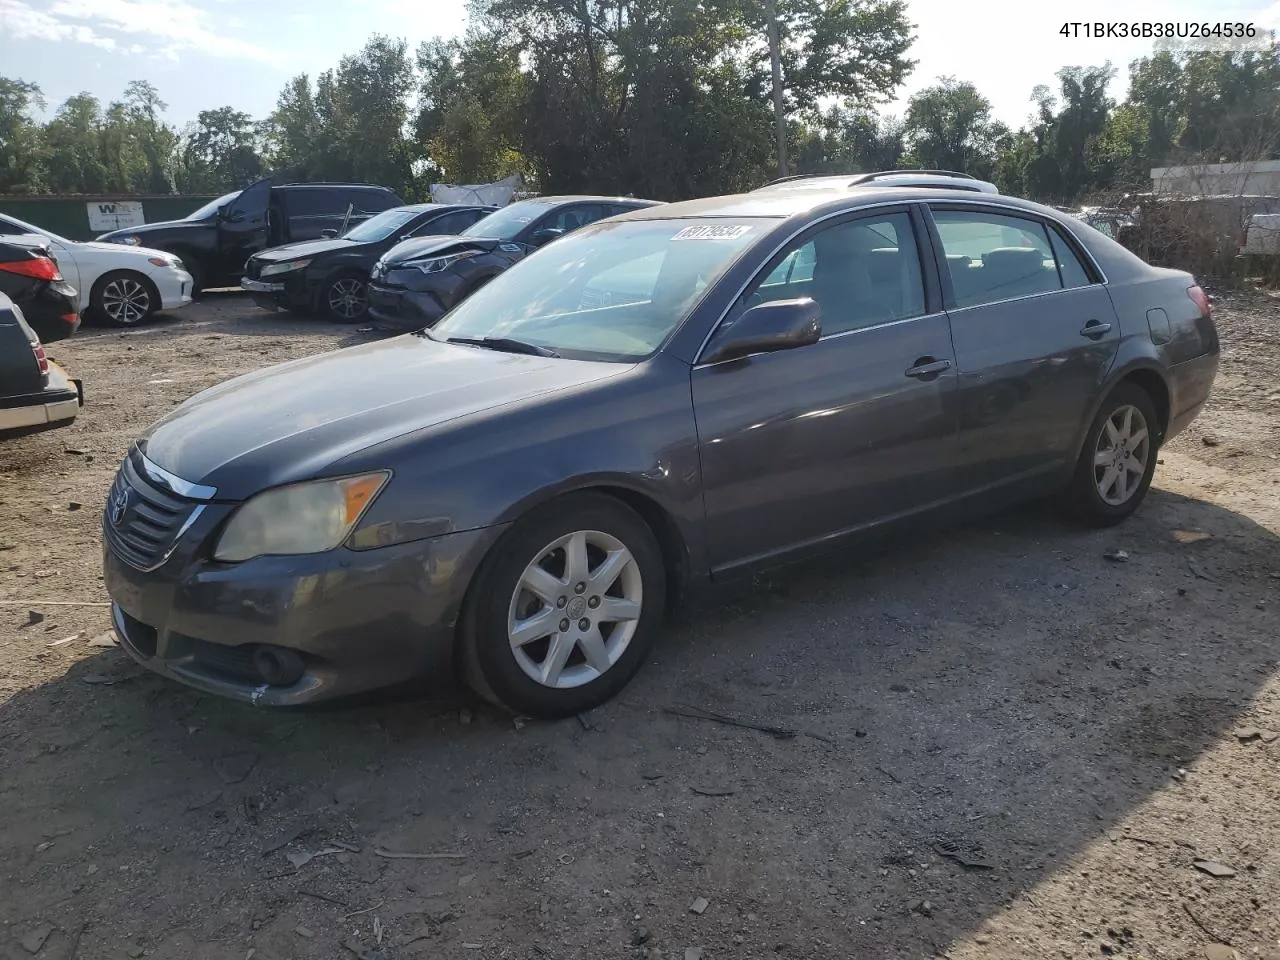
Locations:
1035 335
806 444
242 230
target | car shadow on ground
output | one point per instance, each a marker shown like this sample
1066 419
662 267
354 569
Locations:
956 722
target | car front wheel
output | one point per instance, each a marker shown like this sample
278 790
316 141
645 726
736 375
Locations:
123 298
1118 459
345 299
566 608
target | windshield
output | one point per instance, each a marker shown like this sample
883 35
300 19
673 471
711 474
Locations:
210 208
613 291
24 227
380 227
504 224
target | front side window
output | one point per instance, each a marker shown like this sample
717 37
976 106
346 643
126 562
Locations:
506 223
380 227
613 291
992 257
860 272
572 218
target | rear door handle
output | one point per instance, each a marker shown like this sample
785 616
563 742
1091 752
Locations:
1094 330
927 368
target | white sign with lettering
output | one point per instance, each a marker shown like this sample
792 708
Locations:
114 214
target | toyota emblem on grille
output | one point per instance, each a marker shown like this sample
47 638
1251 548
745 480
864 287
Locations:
118 505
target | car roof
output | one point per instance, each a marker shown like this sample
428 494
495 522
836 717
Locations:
441 207
330 186
781 204
945 179
580 198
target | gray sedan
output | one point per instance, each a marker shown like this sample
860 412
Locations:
671 396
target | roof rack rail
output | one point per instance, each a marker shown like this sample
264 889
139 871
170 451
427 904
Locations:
932 173
800 176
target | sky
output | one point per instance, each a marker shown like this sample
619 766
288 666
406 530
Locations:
203 54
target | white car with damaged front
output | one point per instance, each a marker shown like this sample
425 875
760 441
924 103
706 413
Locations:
117 284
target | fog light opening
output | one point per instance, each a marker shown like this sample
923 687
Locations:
277 667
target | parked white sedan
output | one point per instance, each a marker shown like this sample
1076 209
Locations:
117 284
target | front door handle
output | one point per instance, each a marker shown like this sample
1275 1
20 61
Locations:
1095 330
927 368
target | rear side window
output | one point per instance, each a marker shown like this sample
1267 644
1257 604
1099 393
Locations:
992 257
1073 272
316 203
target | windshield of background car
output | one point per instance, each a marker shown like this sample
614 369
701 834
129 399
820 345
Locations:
380 227
210 208
613 291
504 224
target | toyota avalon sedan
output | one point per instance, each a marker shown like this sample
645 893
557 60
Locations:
674 395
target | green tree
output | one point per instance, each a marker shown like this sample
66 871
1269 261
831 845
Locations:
949 127
219 152
73 139
21 138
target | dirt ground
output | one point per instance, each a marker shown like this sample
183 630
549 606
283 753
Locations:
1008 746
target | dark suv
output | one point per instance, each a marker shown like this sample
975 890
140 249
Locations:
215 241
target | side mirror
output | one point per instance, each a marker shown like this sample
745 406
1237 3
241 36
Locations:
767 328
544 236
328 233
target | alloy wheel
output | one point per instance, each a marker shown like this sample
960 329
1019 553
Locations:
347 298
1121 458
575 609
125 300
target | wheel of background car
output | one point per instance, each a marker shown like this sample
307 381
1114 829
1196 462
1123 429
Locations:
123 298
190 265
565 608
1118 459
345 298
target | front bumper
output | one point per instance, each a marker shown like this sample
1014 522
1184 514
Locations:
55 406
174 287
280 295
359 620
408 309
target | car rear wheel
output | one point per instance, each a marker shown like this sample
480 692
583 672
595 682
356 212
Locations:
123 298
565 609
345 299
1118 459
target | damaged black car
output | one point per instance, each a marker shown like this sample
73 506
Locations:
420 280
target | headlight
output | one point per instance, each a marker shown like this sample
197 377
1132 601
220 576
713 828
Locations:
131 240
172 263
272 269
436 264
301 518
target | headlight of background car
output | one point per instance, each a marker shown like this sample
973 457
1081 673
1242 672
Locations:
437 264
273 268
301 518
131 241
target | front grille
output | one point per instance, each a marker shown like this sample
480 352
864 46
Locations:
151 520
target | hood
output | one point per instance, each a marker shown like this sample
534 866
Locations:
289 422
123 249
306 248
420 247
149 229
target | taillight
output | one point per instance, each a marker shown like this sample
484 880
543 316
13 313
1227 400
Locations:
38 349
1201 300
41 268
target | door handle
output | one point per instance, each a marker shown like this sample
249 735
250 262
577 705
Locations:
927 368
1095 330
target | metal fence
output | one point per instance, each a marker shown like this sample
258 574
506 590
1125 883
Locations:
85 217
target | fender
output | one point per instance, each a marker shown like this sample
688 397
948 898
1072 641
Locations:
1121 370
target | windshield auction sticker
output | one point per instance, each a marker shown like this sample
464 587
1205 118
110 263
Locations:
713 232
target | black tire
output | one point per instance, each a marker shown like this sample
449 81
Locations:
1083 498
123 298
197 275
489 664
336 298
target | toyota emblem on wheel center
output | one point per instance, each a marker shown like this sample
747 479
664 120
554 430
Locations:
119 504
